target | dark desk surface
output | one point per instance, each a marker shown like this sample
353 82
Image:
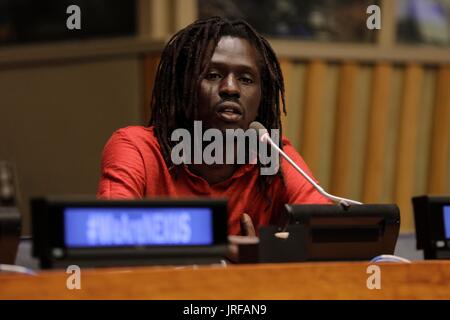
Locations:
418 280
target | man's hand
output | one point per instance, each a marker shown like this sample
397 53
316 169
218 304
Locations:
247 228
247 238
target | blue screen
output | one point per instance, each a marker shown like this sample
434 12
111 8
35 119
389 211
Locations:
447 221
106 227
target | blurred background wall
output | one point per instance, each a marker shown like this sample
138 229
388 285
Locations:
369 110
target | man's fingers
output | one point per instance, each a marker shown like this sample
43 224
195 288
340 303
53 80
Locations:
247 227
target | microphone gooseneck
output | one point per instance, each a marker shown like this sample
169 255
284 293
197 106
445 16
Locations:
264 136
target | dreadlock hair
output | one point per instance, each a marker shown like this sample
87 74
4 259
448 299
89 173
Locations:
182 67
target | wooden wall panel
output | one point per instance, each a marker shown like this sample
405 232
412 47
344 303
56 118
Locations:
312 116
376 137
150 67
424 131
344 117
439 156
359 131
294 74
185 12
295 107
55 121
287 68
379 148
392 131
327 125
407 143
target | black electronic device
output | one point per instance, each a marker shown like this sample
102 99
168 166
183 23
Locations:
332 233
10 217
98 233
432 220
10 227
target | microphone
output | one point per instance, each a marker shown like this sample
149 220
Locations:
264 136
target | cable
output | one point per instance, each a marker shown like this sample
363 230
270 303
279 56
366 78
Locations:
343 201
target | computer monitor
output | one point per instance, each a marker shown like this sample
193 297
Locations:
432 220
96 233
332 233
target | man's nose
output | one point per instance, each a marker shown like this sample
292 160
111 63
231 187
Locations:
229 87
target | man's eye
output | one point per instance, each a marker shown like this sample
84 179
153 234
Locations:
213 76
246 80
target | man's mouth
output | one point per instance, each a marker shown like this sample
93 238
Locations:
229 111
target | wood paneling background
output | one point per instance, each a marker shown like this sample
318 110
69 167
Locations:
388 138
56 118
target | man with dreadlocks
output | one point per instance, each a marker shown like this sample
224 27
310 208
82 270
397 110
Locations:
226 75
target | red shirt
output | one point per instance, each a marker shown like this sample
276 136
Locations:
133 167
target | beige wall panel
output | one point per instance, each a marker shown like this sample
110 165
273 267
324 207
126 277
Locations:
343 122
161 18
186 12
392 130
55 120
424 131
313 114
289 93
376 136
439 153
150 63
296 112
407 143
358 140
144 18
294 93
327 126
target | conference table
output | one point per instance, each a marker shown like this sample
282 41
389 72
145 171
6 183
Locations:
290 281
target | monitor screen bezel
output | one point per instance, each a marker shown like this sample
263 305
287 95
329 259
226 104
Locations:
436 218
48 221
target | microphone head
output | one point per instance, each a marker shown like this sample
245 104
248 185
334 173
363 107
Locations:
257 126
260 130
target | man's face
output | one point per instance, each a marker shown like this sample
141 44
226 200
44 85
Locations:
230 93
